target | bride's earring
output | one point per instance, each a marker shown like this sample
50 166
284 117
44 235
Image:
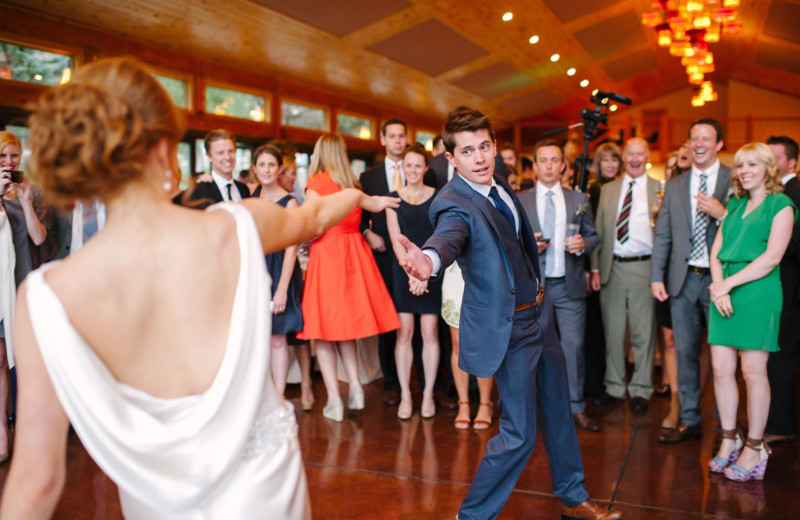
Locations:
168 183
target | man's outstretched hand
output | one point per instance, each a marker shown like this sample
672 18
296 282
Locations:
416 263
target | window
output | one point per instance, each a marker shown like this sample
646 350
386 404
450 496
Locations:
176 88
355 126
234 103
33 65
303 116
185 163
425 139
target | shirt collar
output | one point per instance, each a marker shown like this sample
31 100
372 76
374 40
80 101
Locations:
786 178
541 189
627 179
712 170
483 189
390 165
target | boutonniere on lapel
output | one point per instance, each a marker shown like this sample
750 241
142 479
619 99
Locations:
581 210
729 195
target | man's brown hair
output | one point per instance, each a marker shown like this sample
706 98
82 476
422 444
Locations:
217 135
463 119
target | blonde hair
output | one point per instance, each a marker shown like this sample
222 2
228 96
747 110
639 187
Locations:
7 138
763 154
90 137
330 155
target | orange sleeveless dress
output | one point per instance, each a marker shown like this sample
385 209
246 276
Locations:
344 296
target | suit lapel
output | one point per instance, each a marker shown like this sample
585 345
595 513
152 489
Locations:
570 206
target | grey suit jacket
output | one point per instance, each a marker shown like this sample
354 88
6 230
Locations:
606 222
573 265
672 244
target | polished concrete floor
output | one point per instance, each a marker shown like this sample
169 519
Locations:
374 466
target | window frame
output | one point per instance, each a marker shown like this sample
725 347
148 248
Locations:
243 90
325 109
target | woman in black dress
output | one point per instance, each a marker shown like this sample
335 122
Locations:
287 279
412 296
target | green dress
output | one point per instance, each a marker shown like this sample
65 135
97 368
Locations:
757 304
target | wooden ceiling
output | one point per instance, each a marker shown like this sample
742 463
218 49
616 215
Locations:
429 56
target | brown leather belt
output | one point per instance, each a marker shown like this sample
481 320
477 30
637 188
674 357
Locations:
699 271
631 258
539 300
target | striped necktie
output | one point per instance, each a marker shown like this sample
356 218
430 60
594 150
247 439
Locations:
623 233
700 225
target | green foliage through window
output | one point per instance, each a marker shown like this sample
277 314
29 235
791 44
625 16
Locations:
354 126
303 116
226 102
33 65
176 88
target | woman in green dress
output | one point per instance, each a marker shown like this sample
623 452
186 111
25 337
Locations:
747 297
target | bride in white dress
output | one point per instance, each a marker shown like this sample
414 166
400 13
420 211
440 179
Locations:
153 339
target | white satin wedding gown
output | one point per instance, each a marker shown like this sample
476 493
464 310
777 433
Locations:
229 453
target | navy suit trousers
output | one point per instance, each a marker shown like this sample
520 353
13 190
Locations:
532 383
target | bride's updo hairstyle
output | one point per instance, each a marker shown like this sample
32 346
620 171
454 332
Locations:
90 137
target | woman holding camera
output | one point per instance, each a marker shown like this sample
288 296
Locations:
24 212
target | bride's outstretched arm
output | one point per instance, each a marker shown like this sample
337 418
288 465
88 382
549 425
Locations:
38 467
279 228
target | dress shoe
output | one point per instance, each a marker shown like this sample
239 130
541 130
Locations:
584 422
356 399
605 399
391 397
773 438
334 410
639 405
444 401
682 433
589 511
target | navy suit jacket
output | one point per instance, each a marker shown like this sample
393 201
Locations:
207 193
465 230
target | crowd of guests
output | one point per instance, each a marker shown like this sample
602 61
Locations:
688 265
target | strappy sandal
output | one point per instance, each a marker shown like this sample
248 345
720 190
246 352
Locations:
718 464
462 424
482 424
742 474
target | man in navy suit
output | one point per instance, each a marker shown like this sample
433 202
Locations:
506 322
221 153
556 214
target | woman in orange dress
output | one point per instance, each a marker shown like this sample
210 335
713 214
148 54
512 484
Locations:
344 297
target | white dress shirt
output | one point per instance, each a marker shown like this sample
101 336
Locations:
786 178
390 164
222 184
484 190
711 183
640 234
557 270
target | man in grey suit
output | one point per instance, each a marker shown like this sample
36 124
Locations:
564 228
687 224
621 268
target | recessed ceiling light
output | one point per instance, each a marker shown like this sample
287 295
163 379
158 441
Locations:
613 108
595 91
585 83
571 72
508 16
554 58
534 39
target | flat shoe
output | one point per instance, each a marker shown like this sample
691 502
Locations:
334 410
356 399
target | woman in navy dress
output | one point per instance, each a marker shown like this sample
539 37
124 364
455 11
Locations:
287 279
412 296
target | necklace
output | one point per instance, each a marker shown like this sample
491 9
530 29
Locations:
415 198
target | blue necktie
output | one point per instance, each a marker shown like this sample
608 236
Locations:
549 229
502 207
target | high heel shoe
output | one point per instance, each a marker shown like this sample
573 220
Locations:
483 424
334 410
718 464
356 399
405 408
307 397
742 474
462 424
428 408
